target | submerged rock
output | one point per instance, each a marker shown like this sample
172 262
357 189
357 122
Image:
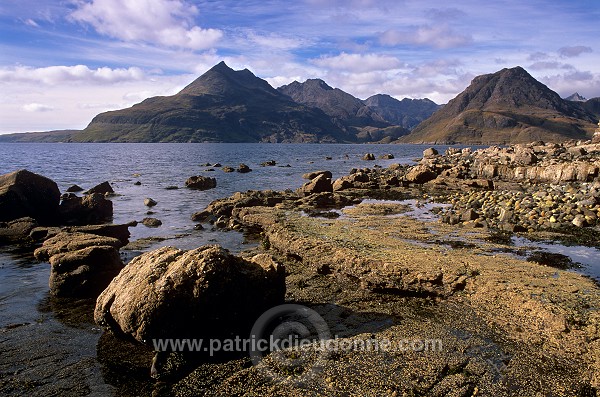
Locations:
369 157
202 293
104 188
74 189
200 182
25 194
151 222
243 168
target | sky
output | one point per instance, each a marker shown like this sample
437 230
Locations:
64 61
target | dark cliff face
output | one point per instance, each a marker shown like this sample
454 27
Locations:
508 106
407 113
222 105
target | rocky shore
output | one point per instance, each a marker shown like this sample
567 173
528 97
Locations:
371 269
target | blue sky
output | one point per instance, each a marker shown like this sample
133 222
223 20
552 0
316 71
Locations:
64 61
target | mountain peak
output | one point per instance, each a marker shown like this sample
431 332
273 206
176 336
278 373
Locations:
575 98
507 106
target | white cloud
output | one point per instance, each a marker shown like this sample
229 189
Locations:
52 75
37 107
31 23
164 22
359 62
432 36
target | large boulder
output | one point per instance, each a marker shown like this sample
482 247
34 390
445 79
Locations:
320 184
25 194
83 264
73 241
84 273
312 175
88 210
420 174
202 293
200 182
103 188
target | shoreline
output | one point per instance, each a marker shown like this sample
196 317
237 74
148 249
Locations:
380 273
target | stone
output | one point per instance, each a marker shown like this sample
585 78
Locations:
74 189
151 222
312 175
579 221
430 152
387 156
420 174
104 188
120 232
469 215
228 169
73 241
93 208
341 184
148 202
369 157
84 273
137 183
25 194
243 168
200 182
268 163
172 187
320 184
17 230
203 293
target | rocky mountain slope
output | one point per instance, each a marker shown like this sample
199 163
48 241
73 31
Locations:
222 105
508 106
407 113
348 112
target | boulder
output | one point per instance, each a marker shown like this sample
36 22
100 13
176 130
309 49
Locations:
312 175
387 156
74 189
369 157
104 188
243 168
341 184
430 152
25 194
17 230
203 293
200 182
120 232
84 273
320 184
151 222
148 202
268 163
420 174
91 209
228 169
73 241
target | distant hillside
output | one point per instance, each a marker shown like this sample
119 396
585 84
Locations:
593 106
407 113
348 112
222 105
508 106
46 137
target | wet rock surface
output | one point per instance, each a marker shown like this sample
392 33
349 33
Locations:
25 194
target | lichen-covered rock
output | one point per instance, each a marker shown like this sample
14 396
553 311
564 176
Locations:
25 194
85 272
72 241
202 293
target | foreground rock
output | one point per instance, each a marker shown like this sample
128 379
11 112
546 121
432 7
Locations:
91 209
202 293
83 264
17 230
201 182
25 194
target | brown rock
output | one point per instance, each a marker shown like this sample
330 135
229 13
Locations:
430 152
320 184
93 208
201 182
72 241
312 175
25 194
202 293
104 188
420 174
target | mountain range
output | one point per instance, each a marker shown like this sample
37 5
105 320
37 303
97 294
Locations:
224 105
